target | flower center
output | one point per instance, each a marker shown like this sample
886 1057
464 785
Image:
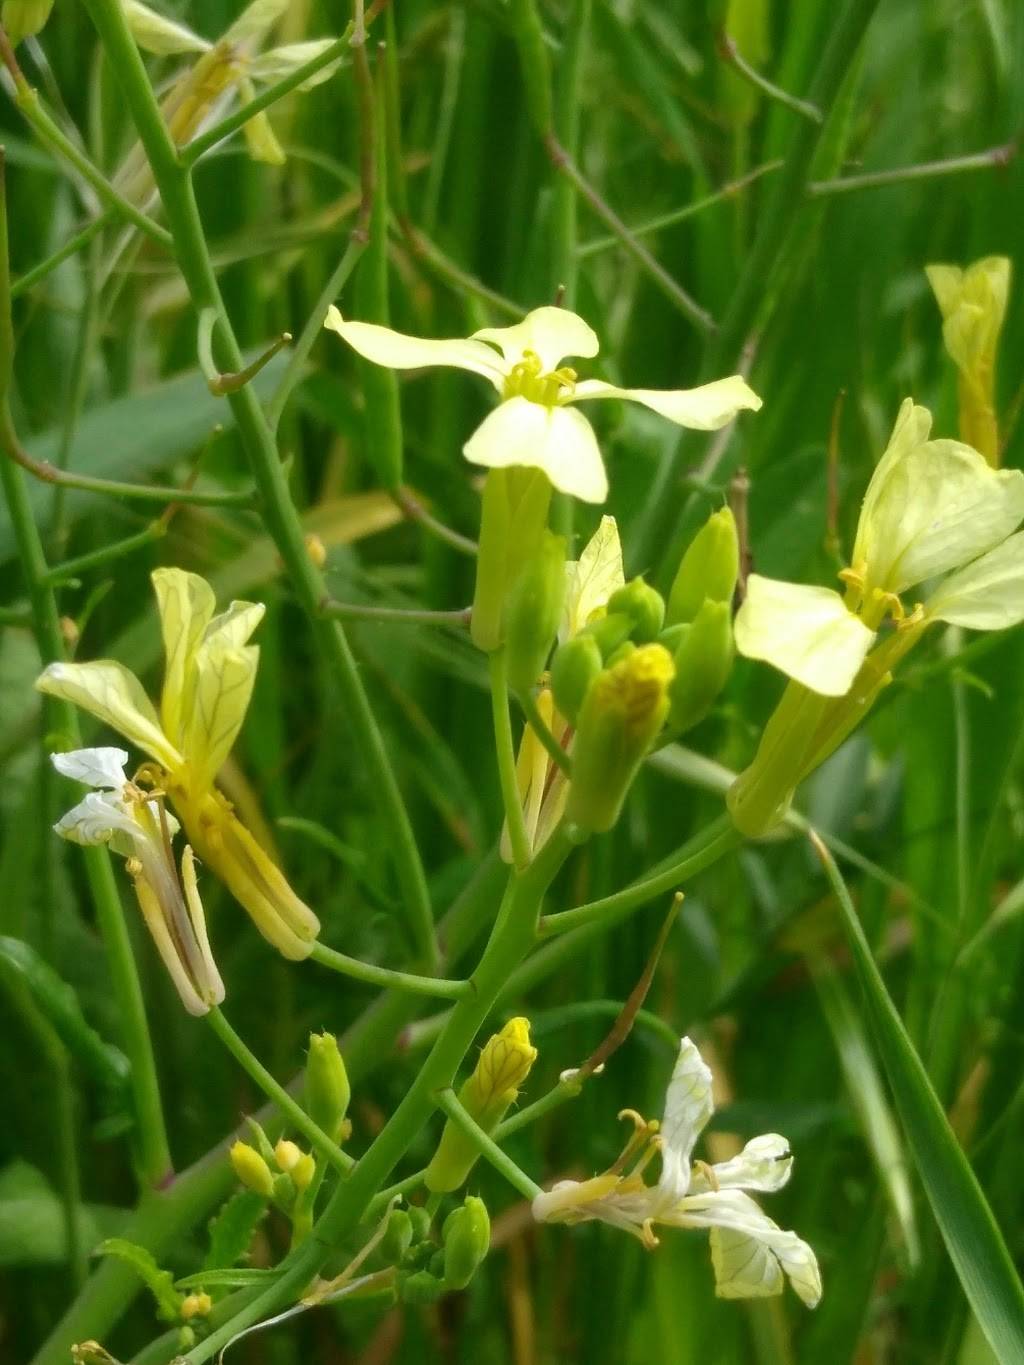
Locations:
874 605
526 380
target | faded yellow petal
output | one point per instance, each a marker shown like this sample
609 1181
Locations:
114 695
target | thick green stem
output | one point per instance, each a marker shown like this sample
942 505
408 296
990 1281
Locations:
182 213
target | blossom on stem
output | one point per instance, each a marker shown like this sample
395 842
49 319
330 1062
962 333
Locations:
535 423
750 1253
208 680
135 824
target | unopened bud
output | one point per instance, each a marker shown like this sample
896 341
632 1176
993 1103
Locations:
703 660
420 1287
24 18
467 1238
575 666
196 1306
397 1237
420 1221
610 631
287 1154
316 549
645 607
303 1171
327 1088
501 1069
622 715
251 1169
709 569
534 611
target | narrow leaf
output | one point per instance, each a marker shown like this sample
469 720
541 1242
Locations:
160 1283
232 1229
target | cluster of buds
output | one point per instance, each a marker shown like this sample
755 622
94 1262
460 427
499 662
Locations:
425 1270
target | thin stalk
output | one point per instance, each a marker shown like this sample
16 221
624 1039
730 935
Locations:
350 611
506 755
283 522
924 170
71 568
275 1092
385 976
542 730
730 53
415 511
486 1146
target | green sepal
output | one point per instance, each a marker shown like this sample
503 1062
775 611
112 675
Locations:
709 568
533 612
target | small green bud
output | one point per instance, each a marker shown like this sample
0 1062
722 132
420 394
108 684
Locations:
703 660
420 1287
622 715
625 651
397 1237
533 612
609 631
645 607
251 1169
24 18
467 1238
513 519
284 1192
575 666
436 1264
709 569
263 1143
420 1221
327 1088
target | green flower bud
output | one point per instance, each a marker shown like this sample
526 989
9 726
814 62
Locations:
420 1287
467 1238
575 666
263 1143
625 651
327 1089
709 569
645 607
397 1237
251 1169
420 1221
501 1069
703 660
533 612
513 519
622 715
24 18
284 1192
609 631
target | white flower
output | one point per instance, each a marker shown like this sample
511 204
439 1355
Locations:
931 507
137 826
535 424
750 1253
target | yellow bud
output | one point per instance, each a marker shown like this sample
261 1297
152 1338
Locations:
196 1306
316 550
303 1171
24 18
287 1154
251 1169
327 1088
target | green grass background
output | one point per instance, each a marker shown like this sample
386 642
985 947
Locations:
756 966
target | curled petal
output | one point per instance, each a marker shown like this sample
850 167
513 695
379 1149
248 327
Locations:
96 819
396 351
558 441
688 1106
592 579
280 62
113 694
986 595
804 631
552 334
254 23
102 767
765 1164
703 409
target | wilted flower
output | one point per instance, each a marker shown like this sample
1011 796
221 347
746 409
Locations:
135 824
208 681
750 1253
535 424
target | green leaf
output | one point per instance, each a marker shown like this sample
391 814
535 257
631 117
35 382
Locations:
160 1283
234 1278
969 1229
232 1229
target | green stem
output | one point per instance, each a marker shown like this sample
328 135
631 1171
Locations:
506 754
731 53
276 1092
351 611
74 244
71 568
925 170
502 1163
543 732
384 976
283 522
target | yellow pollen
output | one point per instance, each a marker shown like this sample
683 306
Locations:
527 380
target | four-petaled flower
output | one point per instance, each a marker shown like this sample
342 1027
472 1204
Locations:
535 423
208 680
135 824
931 507
750 1253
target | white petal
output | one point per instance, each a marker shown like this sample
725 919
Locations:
155 33
552 334
703 409
988 594
688 1106
254 23
559 441
397 351
96 819
592 579
765 1163
748 1249
280 62
805 631
113 694
103 768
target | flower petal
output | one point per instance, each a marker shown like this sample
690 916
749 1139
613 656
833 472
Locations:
559 441
552 334
986 595
101 767
280 62
592 579
224 678
688 1106
806 632
157 34
96 819
232 628
748 1250
186 604
254 23
765 1163
703 409
973 305
397 351
113 694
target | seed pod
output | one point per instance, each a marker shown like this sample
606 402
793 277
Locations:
533 612
709 569
703 660
467 1238
645 607
575 666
